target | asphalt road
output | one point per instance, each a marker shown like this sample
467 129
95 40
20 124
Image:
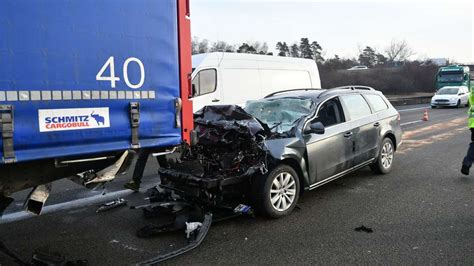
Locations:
421 213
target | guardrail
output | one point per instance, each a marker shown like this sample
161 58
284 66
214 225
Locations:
409 100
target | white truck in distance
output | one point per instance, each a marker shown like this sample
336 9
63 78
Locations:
232 78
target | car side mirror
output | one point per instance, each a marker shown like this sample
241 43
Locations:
315 128
461 93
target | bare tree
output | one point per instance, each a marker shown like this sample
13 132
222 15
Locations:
203 46
398 51
221 46
199 46
195 45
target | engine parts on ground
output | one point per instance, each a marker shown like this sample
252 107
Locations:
111 205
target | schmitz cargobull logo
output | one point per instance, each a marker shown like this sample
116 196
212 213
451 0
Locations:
73 119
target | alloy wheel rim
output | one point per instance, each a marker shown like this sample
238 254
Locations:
387 155
283 191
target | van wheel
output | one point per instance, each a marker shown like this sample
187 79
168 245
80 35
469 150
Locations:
278 192
384 162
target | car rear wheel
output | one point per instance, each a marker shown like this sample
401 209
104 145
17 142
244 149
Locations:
279 192
458 104
384 162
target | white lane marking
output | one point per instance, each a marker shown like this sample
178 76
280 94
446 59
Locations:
413 109
412 122
22 215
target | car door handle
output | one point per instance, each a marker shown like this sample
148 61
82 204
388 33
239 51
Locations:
348 135
216 100
377 124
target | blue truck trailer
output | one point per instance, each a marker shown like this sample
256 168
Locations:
85 83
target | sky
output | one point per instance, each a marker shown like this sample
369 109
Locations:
433 29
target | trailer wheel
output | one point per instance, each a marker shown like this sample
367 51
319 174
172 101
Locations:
278 192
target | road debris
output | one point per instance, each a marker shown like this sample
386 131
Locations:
111 205
193 243
362 228
244 210
191 228
42 257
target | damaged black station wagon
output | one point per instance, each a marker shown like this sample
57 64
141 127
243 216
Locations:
268 153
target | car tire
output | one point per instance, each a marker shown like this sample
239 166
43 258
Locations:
384 161
467 104
433 107
278 192
458 105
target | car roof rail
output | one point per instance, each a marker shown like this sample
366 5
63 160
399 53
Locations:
347 87
284 91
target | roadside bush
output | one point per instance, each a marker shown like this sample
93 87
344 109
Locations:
411 77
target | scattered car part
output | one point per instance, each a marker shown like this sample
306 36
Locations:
193 243
42 258
35 201
11 254
244 210
112 205
46 258
191 228
109 173
362 228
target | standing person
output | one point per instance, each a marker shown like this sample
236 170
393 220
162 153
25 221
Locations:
469 159
140 165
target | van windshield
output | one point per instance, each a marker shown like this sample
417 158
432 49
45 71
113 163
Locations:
280 114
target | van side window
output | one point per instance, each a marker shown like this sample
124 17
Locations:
330 113
377 103
356 106
204 82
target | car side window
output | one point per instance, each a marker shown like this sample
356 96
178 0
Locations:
356 106
377 103
330 113
205 82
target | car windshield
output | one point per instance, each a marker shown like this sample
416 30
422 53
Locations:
450 77
448 91
279 114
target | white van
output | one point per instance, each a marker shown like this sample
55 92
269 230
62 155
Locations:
232 78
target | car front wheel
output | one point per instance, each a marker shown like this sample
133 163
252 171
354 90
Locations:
384 162
279 192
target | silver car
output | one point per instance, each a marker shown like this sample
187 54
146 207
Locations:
267 154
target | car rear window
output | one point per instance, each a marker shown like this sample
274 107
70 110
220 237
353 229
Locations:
378 104
356 106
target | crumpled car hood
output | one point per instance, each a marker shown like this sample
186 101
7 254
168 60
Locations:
228 117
